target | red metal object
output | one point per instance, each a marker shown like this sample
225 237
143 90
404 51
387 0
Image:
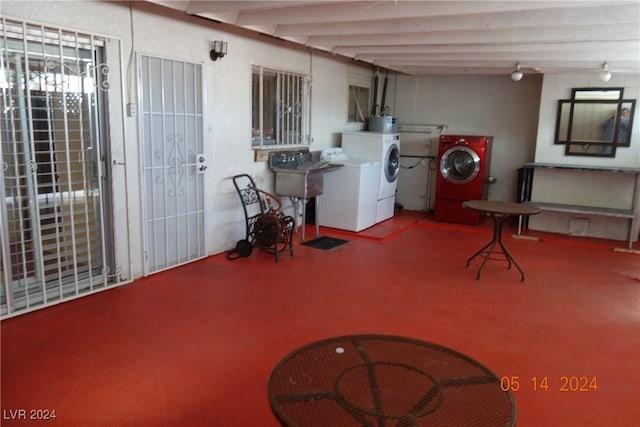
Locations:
464 162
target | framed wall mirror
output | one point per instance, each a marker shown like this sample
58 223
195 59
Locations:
594 122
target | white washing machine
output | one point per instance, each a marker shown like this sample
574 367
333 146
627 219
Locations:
350 196
383 148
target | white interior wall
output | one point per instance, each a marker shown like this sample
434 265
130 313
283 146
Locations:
227 83
476 105
579 187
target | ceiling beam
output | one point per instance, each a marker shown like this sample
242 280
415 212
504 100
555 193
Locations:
490 63
496 36
204 6
576 46
350 11
484 21
529 57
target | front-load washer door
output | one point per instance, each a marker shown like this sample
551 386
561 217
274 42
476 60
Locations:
392 163
459 165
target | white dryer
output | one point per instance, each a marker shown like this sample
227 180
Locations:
349 198
383 148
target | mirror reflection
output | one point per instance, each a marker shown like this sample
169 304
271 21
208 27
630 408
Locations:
608 126
594 122
607 94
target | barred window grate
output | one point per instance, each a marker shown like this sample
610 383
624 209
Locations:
280 108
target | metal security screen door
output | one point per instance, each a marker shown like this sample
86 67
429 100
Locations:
52 211
173 163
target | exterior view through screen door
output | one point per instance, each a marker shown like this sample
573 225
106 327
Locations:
55 213
173 164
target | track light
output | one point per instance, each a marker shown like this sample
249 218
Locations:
517 75
605 75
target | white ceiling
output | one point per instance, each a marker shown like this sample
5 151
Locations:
449 37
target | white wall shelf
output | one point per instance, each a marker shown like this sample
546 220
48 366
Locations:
586 210
629 213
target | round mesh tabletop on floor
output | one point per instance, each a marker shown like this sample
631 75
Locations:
386 381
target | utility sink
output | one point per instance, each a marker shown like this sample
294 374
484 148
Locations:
304 184
297 175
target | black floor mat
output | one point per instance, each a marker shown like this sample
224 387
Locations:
325 243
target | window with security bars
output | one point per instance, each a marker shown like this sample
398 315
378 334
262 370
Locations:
359 84
358 104
280 108
52 209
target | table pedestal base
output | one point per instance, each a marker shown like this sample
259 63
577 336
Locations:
490 248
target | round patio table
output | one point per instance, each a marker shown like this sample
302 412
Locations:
500 212
386 381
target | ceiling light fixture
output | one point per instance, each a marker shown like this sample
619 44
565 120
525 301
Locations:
517 75
605 75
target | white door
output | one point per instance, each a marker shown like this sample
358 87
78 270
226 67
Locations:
173 164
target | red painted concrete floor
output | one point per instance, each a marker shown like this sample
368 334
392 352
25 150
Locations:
194 346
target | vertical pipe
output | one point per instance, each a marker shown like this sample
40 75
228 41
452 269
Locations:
383 100
375 94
